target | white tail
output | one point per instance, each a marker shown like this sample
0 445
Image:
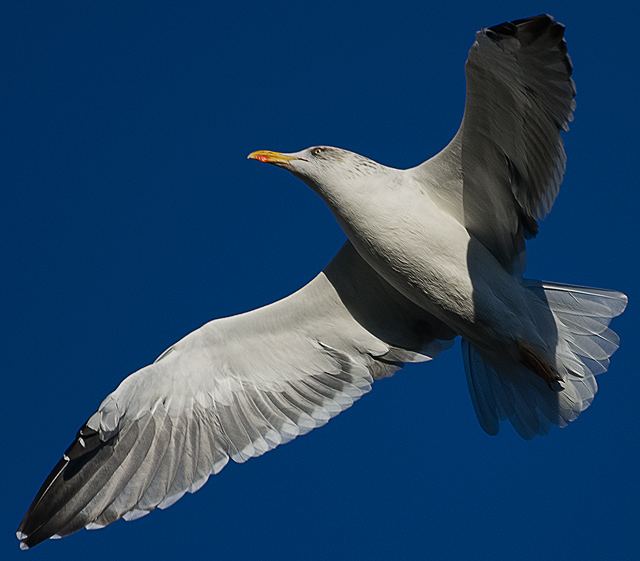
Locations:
572 319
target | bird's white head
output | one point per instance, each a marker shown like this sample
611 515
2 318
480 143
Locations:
329 171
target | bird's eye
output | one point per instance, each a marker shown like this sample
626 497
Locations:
317 151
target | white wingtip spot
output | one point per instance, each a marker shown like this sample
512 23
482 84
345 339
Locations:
56 537
243 455
135 514
94 526
289 432
220 464
21 536
172 499
272 438
196 485
23 546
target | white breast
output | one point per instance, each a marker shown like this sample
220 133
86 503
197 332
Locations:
428 256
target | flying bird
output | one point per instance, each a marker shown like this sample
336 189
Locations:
433 252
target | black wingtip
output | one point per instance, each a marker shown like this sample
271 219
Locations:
531 30
85 446
29 523
527 30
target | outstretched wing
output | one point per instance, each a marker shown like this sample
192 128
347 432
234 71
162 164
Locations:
502 171
235 388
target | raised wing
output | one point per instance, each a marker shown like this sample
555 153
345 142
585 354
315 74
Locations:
502 171
235 388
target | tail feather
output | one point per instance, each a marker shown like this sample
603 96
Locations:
585 314
502 388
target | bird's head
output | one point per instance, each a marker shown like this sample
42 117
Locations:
327 170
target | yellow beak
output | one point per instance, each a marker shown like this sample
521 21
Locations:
271 157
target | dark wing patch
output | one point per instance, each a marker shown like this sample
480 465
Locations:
502 171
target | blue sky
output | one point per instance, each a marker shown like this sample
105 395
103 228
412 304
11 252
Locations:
131 216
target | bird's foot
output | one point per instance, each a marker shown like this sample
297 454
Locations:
534 361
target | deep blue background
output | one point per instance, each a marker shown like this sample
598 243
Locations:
130 217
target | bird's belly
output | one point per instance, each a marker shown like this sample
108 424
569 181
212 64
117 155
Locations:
431 259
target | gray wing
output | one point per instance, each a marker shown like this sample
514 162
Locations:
235 388
502 171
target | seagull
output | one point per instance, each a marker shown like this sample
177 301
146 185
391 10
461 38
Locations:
433 252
